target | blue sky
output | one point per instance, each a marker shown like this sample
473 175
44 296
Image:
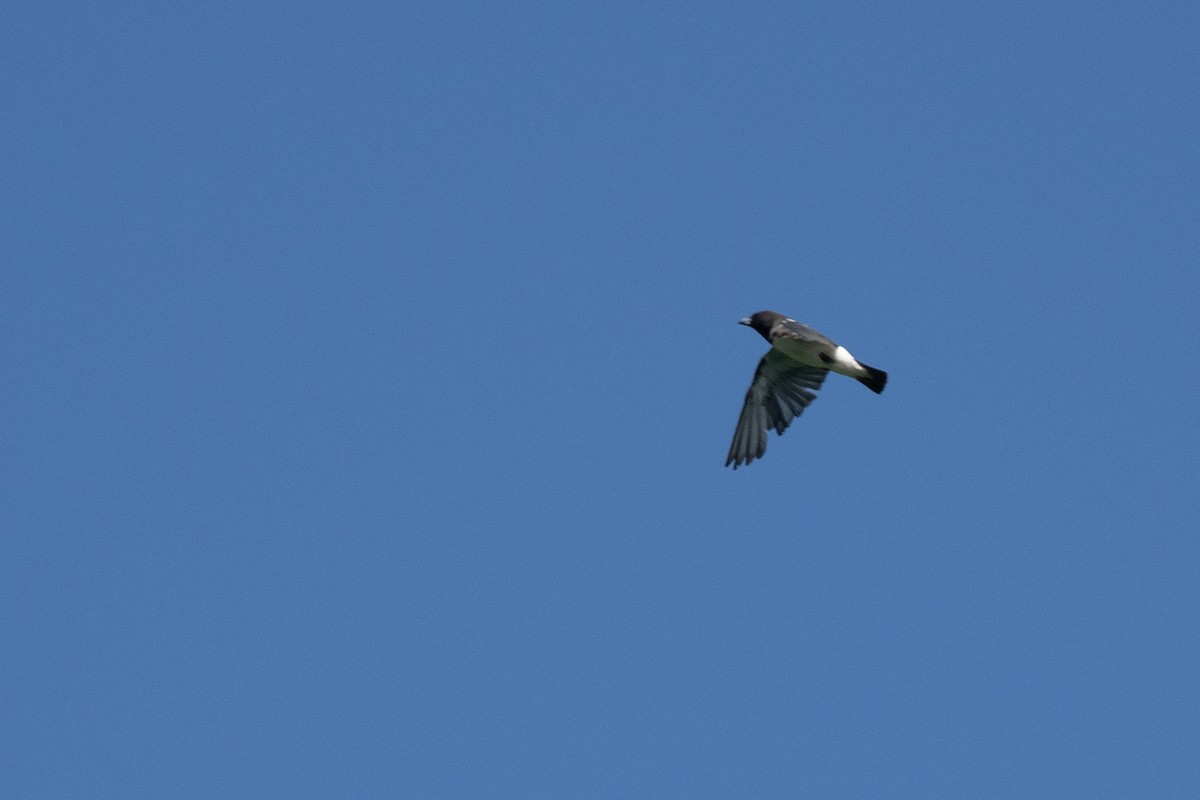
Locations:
369 371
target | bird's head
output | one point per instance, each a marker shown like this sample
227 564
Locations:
762 321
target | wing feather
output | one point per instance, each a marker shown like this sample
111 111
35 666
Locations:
780 391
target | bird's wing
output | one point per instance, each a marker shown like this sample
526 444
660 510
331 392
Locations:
781 389
790 329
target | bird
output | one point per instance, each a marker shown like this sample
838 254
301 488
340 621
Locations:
787 380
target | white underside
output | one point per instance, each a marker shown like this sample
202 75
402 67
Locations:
845 364
810 353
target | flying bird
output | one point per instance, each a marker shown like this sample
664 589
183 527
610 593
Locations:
787 380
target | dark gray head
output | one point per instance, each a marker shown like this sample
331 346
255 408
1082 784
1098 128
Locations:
762 321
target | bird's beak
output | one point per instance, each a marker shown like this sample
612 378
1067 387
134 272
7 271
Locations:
744 321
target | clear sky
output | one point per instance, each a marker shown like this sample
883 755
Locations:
368 372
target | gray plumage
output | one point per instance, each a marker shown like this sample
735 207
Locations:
787 380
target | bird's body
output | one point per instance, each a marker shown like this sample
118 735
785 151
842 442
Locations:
787 379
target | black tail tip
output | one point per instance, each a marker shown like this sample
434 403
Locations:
875 381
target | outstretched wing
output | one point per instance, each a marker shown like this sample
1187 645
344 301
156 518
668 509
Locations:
781 389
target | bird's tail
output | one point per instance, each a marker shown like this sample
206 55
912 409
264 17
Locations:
875 380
